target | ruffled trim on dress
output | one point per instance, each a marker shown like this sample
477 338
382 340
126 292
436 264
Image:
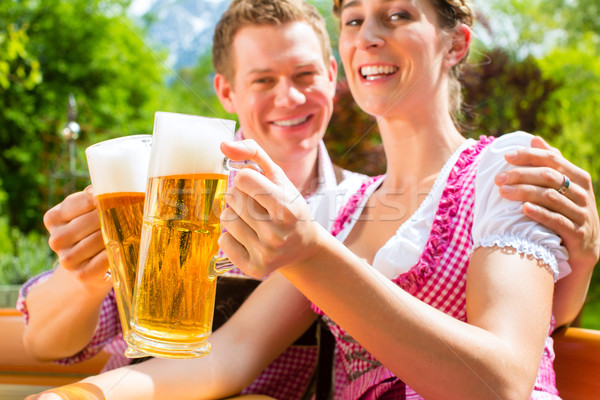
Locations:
443 222
522 246
348 209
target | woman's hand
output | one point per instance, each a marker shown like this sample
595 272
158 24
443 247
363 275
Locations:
268 224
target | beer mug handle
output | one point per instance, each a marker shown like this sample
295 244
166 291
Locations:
232 165
219 265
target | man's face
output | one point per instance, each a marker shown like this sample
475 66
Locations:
283 93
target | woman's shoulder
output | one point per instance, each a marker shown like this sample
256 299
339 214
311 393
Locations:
510 141
492 157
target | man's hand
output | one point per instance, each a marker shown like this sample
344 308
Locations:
75 391
572 215
75 236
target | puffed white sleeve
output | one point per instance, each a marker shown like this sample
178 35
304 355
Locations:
501 222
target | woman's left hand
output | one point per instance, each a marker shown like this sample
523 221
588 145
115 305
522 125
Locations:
573 215
268 224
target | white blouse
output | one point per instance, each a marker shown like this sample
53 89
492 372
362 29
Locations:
496 221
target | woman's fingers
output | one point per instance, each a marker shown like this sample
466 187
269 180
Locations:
266 219
250 150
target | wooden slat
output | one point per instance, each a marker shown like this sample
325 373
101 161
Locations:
18 367
577 363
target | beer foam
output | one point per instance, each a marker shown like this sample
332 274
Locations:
119 165
188 144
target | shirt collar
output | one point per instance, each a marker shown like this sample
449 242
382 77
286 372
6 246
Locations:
325 172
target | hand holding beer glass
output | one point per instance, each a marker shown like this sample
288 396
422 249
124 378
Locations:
175 290
118 171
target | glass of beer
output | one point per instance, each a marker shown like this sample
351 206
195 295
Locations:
177 273
118 171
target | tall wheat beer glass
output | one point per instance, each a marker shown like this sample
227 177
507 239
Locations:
118 170
176 282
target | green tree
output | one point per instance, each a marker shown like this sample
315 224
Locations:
85 47
503 93
564 37
192 90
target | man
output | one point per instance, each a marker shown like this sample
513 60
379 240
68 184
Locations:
274 69
282 90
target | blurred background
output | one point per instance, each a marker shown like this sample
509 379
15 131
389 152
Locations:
74 72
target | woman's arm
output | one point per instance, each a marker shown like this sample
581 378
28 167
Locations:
508 297
573 216
63 311
272 317
496 355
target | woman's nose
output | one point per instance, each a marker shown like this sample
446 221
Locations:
370 35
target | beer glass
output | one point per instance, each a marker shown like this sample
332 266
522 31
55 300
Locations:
118 171
175 290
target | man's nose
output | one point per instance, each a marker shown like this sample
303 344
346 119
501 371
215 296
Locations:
288 95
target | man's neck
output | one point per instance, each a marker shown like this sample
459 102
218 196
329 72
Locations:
303 172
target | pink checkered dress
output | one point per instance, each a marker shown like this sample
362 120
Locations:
438 279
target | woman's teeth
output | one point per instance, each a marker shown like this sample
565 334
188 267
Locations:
373 72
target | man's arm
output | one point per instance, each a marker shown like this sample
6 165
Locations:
64 310
268 322
572 215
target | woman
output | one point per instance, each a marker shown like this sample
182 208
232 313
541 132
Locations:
467 312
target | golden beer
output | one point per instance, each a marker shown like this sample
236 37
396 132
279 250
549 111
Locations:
118 171
121 220
175 292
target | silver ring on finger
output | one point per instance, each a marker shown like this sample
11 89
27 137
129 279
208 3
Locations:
565 185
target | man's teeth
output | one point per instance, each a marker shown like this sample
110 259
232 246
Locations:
372 72
291 122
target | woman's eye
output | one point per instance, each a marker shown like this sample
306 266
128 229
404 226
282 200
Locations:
353 22
399 16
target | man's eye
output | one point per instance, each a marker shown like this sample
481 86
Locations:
263 81
306 74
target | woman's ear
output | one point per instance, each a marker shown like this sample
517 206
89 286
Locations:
461 41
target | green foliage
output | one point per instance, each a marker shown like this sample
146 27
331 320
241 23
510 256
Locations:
192 90
352 137
52 48
22 256
503 94
565 39
575 103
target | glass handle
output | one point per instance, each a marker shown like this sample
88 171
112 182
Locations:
232 165
219 265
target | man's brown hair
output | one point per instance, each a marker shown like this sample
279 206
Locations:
242 13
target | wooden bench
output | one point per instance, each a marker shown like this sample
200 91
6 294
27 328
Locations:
18 367
577 363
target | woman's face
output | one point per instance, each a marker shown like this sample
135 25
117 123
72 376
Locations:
393 54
